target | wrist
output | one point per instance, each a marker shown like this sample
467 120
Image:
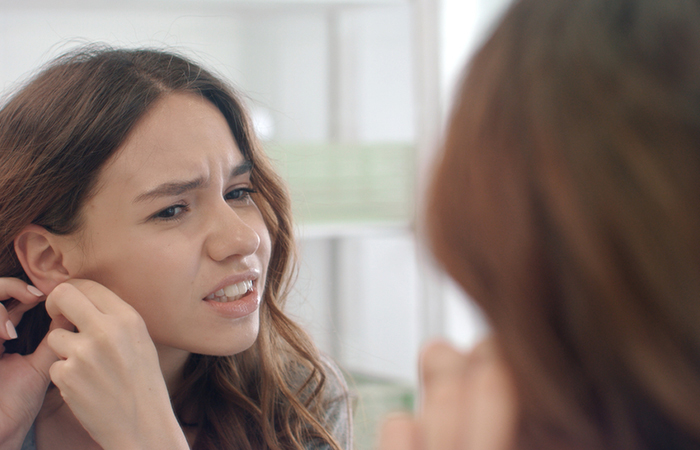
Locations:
12 439
162 432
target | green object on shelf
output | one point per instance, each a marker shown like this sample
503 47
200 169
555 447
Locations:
375 399
348 182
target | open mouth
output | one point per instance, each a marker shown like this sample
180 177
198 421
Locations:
232 292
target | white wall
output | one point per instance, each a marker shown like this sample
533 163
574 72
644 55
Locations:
280 57
464 26
374 327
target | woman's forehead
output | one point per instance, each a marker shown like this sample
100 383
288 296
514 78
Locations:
182 136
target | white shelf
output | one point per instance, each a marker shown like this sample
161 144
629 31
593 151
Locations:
10 5
335 230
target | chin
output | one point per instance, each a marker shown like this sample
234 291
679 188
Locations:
230 351
232 345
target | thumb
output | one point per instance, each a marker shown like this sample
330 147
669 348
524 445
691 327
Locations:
43 357
444 396
399 432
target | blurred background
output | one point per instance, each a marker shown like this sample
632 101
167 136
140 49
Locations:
350 98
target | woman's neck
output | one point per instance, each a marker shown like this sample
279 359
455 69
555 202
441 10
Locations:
172 364
56 427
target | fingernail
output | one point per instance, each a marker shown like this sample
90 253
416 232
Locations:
11 329
34 290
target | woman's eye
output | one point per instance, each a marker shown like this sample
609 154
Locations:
171 212
240 194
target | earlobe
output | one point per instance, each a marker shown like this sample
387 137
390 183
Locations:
41 257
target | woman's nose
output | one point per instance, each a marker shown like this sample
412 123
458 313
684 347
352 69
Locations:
232 233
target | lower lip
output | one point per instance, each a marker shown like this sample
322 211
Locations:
242 307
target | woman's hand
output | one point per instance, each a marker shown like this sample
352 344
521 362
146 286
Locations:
23 379
108 373
468 403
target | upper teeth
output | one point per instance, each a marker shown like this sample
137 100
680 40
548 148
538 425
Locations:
231 292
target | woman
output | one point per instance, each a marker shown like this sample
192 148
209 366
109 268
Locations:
566 202
136 201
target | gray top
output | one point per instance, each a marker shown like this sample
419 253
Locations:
339 412
30 440
338 415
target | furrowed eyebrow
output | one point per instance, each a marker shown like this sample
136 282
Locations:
175 188
170 189
243 168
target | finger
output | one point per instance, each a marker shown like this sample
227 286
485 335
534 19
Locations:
493 400
399 432
68 301
61 342
56 371
103 298
444 399
18 289
7 330
442 367
67 379
61 337
19 308
10 316
25 298
43 357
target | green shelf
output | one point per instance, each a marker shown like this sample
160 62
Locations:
375 398
348 182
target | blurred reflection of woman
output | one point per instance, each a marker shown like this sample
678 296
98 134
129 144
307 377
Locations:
566 202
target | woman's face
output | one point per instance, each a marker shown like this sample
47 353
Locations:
172 230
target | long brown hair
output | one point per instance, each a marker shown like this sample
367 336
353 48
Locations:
56 134
566 202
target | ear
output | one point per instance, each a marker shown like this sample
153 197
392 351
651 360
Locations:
39 252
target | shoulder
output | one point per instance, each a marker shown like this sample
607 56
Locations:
336 387
335 405
338 404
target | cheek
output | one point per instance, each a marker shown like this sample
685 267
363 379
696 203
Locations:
142 271
257 223
165 269
265 248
